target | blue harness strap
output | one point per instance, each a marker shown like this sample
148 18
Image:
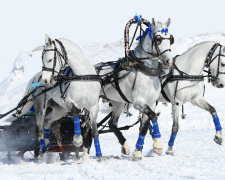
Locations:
217 122
97 147
77 130
46 133
140 142
156 133
172 139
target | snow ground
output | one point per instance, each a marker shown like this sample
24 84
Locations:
197 156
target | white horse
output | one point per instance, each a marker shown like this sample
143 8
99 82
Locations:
139 87
80 94
193 62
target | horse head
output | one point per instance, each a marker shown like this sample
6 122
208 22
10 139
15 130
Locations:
53 60
217 69
157 42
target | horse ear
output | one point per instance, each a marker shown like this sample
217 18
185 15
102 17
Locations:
168 22
48 40
153 21
39 48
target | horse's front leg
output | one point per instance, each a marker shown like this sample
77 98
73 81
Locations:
202 103
40 116
77 139
175 127
93 117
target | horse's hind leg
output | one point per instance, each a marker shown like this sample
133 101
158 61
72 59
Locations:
202 103
113 125
175 127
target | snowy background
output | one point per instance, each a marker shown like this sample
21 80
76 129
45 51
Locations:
97 26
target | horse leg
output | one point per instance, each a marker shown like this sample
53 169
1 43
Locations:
77 140
147 115
203 104
40 116
175 127
93 116
86 136
113 125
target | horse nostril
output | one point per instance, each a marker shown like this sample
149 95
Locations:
221 85
167 61
46 81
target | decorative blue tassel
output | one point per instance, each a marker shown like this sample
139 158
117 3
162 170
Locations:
164 30
35 84
140 142
172 139
97 147
217 122
138 17
46 133
77 130
156 133
42 144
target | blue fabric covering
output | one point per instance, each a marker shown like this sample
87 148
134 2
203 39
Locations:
77 130
35 84
140 142
217 122
42 144
97 147
172 139
156 133
32 110
148 30
46 133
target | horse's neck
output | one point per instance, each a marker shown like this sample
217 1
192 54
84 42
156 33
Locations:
76 59
141 49
193 60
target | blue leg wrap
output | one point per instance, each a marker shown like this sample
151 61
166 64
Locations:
46 133
42 144
140 142
156 133
172 139
97 147
217 122
77 130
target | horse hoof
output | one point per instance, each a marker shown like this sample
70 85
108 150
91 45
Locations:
170 151
85 157
125 149
78 140
158 150
137 154
157 146
218 139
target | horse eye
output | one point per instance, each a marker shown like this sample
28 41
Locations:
222 64
158 39
50 60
